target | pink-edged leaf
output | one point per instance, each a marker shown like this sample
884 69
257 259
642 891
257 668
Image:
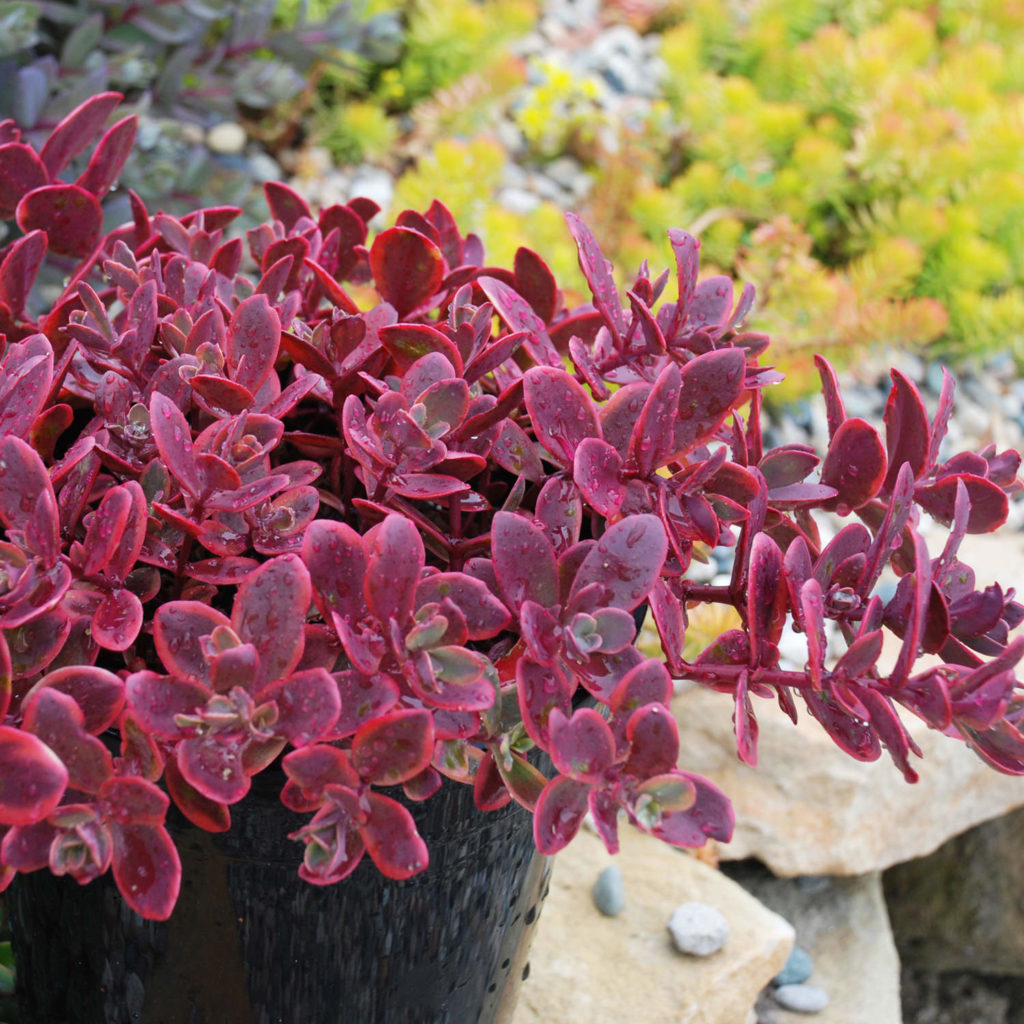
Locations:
408 342
245 497
626 561
658 810
518 314
855 464
178 627
310 770
253 341
21 171
27 848
559 510
485 615
712 301
173 437
23 479
535 282
711 385
561 411
308 705
396 560
123 560
646 683
337 561
521 780
147 869
989 505
106 525
1001 745
129 800
653 437
582 746
394 747
668 619
744 722
18 270
34 778
513 450
363 699
334 292
407 267
604 811
850 733
906 429
686 249
648 324
834 411
70 216
77 130
598 272
220 396
891 731
588 369
942 415
812 618
766 595
458 683
23 393
596 471
541 689
391 838
653 739
117 621
270 613
491 355
97 692
427 486
861 656
524 561
917 613
156 701
213 765
204 813
286 205
109 157
559 813
787 465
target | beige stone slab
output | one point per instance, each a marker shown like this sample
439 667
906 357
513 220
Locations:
590 969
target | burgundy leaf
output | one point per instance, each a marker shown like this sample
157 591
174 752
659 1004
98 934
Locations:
906 429
21 171
834 410
57 720
396 559
596 471
562 413
213 765
77 130
147 869
683 809
337 562
485 615
99 693
117 621
597 270
178 628
156 701
108 159
524 561
173 438
513 450
521 319
394 747
18 270
392 840
855 464
253 340
653 739
652 440
687 255
989 505
540 690
535 282
408 342
407 267
626 561
522 781
308 705
711 385
286 205
363 698
70 216
34 778
559 813
582 746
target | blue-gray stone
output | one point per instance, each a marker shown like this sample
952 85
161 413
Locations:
801 998
798 968
609 894
698 929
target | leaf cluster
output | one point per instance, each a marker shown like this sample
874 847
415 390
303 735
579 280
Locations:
387 514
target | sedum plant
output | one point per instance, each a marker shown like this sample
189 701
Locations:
386 515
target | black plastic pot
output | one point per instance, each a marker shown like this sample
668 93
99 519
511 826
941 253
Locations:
250 943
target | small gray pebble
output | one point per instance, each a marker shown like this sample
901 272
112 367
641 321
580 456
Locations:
698 929
798 968
609 893
801 998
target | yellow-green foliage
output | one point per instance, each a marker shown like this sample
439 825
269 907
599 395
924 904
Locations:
888 136
560 111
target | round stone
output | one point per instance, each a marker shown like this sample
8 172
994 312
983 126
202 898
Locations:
698 929
226 137
801 998
609 894
797 969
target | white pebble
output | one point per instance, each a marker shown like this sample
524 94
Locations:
697 929
801 998
227 137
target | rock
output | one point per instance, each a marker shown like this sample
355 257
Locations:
797 969
609 894
808 808
226 138
961 907
604 970
375 183
801 998
518 200
698 929
839 922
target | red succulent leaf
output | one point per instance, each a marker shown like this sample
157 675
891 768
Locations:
396 560
407 267
597 270
57 720
363 698
596 470
860 657
668 618
582 746
524 782
27 848
408 342
626 561
126 556
21 171
337 561
147 869
117 621
1001 745
989 505
489 790
812 619
485 615
98 693
178 627
213 765
559 813
391 838
18 269
513 450
524 561
906 429
653 739
308 705
394 747
646 683
77 130
834 410
891 731
155 701
648 324
173 438
562 413
535 282
855 464
310 771
850 732
253 341
653 437
559 510
23 480
109 157
710 386
942 415
518 314
34 778
70 216
766 596
132 801
541 689
204 813
660 807
286 205
744 722
604 810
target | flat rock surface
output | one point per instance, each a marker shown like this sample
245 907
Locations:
808 808
602 970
